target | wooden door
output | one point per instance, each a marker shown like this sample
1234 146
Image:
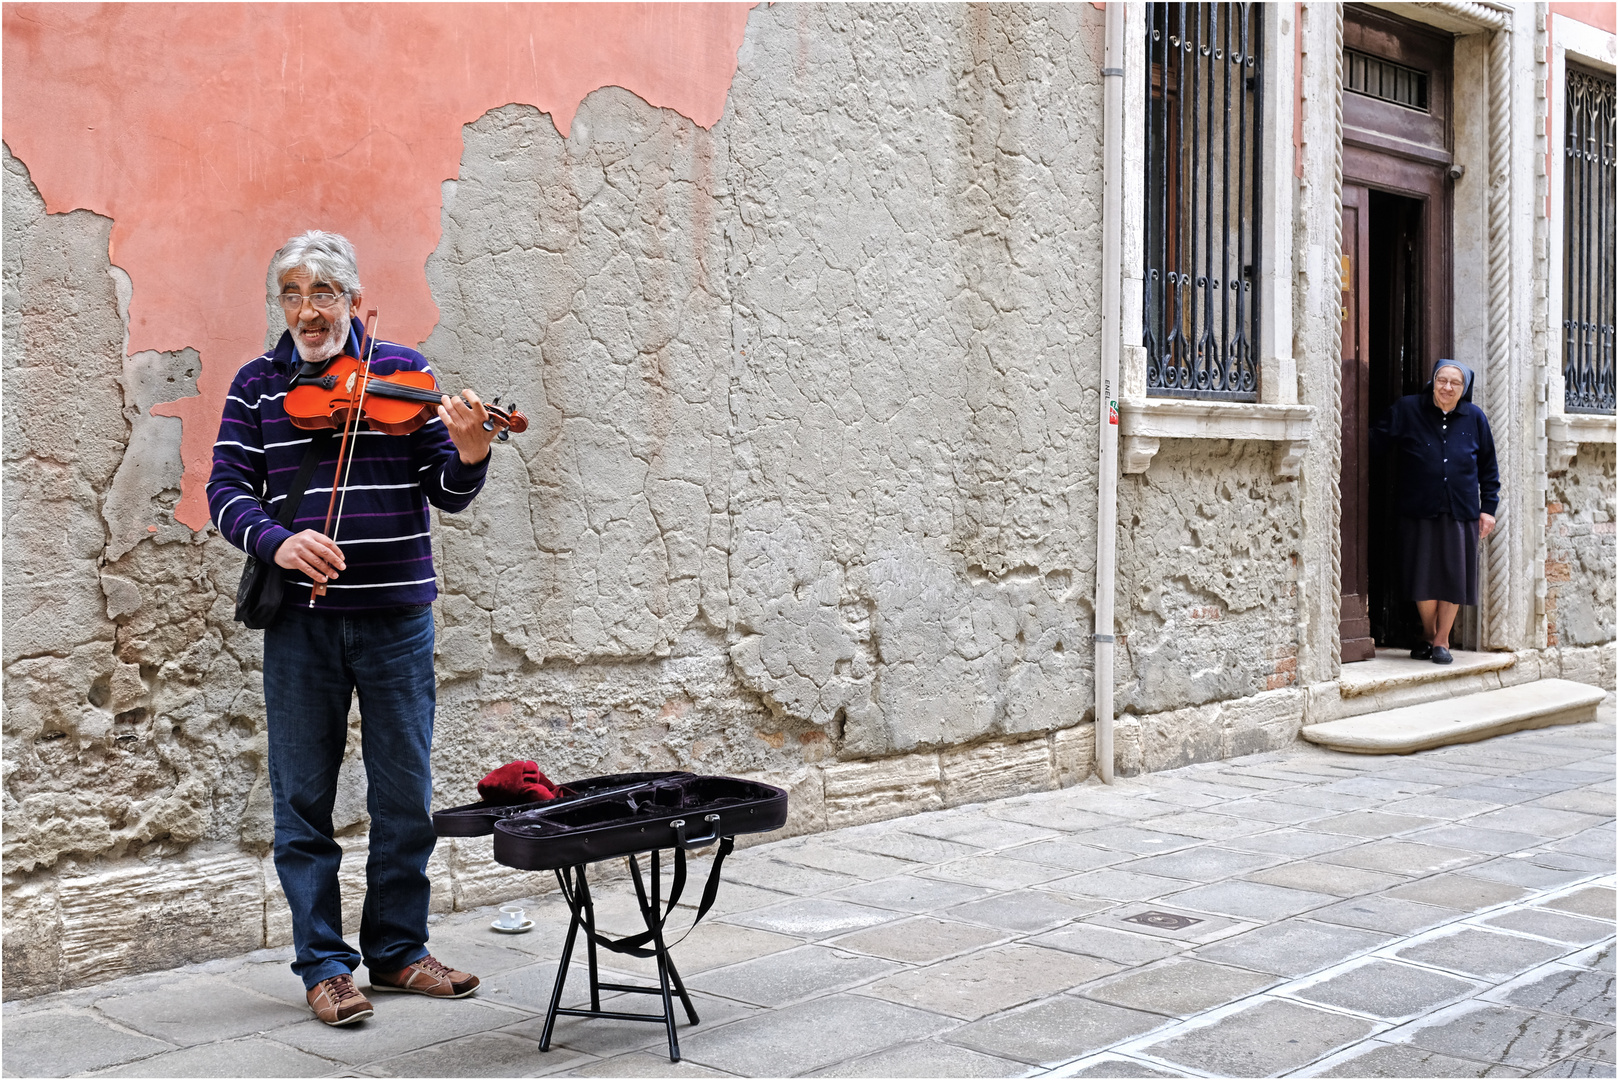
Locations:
1397 149
1355 628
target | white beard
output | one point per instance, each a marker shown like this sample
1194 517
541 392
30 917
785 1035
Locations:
330 346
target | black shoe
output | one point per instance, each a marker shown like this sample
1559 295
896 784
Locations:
1423 651
1441 655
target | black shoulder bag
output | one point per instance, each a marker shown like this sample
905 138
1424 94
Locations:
258 596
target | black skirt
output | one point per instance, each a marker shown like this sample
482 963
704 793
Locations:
1440 559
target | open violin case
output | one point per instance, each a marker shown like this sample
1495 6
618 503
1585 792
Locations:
625 814
674 810
478 819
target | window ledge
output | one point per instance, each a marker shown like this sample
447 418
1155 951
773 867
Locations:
1564 433
1144 423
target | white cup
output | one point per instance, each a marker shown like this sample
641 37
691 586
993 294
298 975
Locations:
511 916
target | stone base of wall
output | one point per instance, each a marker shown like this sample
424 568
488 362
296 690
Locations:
83 924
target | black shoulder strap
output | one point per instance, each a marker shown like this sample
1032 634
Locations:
635 944
311 458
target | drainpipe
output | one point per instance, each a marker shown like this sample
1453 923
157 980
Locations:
1112 128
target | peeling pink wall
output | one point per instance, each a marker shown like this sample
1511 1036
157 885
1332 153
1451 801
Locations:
1602 15
210 133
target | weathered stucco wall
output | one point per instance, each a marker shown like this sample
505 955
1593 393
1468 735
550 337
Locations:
807 495
1581 568
916 267
1208 553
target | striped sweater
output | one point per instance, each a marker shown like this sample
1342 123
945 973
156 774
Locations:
384 531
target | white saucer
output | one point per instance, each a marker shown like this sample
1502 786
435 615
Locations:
499 928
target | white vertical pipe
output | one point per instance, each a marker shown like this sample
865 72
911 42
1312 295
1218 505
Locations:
1112 202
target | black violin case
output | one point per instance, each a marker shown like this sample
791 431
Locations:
478 819
668 810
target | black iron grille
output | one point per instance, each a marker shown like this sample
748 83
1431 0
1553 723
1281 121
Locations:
1384 80
1203 170
1587 250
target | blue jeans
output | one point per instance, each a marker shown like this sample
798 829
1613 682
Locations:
313 663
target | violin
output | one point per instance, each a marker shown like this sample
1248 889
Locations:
397 404
346 391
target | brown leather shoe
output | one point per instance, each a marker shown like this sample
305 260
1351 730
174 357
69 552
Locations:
425 976
338 1001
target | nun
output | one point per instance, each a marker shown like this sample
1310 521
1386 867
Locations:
1449 490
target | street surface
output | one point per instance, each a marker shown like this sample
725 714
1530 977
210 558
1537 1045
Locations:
1296 913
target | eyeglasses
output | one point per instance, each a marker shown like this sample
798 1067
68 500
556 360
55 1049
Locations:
323 301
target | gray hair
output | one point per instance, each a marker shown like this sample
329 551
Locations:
327 256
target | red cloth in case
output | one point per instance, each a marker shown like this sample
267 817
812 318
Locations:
516 782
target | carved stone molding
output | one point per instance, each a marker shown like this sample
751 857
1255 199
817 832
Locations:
1144 423
1136 453
1564 433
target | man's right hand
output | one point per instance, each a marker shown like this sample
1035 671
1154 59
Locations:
316 554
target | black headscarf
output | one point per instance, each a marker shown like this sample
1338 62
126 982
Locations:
1466 378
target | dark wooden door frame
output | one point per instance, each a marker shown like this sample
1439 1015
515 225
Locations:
1406 152
1355 628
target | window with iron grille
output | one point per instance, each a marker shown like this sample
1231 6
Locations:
1384 80
1203 194
1587 242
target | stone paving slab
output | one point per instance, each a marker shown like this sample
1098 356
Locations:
247 1057
412 1023
1503 1034
1297 912
809 1036
1388 991
1270 1037
798 973
169 1012
1585 994
487 1053
1319 877
968 987
1179 987
1462 892
1376 1059
1052 1030
926 1059
1480 953
1598 903
1294 947
911 893
1386 914
920 940
49 1043
1250 900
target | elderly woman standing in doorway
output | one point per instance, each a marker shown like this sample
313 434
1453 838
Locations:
1449 489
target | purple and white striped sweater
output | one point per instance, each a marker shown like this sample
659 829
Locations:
385 527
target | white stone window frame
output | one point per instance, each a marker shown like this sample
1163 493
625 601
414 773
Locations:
1593 48
1276 417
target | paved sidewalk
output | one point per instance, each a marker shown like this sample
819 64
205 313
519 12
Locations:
1449 913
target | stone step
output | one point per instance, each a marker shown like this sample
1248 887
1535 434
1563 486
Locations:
1460 719
1393 670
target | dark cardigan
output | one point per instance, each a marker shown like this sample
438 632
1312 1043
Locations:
1446 462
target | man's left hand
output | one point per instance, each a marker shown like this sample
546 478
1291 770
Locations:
464 416
1485 525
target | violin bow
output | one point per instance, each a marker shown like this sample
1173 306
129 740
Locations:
351 426
369 350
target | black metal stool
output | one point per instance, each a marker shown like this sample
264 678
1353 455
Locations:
576 889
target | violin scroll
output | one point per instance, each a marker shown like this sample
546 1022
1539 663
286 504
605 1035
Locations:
507 419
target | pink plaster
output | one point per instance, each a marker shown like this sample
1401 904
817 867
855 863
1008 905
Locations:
210 133
1602 16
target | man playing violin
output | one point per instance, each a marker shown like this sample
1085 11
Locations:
371 631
